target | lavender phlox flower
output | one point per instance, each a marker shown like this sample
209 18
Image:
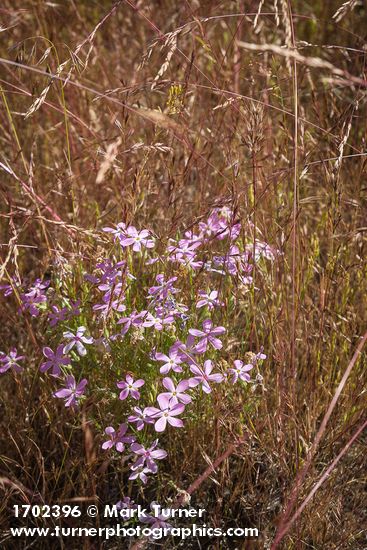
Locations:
135 319
156 521
204 376
140 473
157 322
209 299
7 290
118 233
240 371
11 361
176 394
183 248
126 504
140 418
55 360
184 252
38 288
259 356
262 250
207 336
220 224
130 387
191 261
236 263
109 272
107 306
58 315
185 350
35 295
166 413
72 391
152 261
111 288
171 361
147 457
163 289
137 238
77 340
117 439
174 307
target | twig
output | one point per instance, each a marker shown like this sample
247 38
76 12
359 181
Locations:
303 472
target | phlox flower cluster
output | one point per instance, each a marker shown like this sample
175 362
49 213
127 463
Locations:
127 314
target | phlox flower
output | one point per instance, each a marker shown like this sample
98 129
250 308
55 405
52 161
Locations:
177 393
140 473
166 413
147 457
204 376
58 315
77 340
118 233
163 289
117 439
7 290
35 296
72 391
130 387
136 238
108 306
171 361
207 336
135 319
11 361
140 418
54 360
157 322
209 299
259 356
240 371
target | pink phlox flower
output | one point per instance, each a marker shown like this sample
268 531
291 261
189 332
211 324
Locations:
137 239
140 418
130 387
204 376
240 371
207 336
209 299
72 391
55 360
118 233
147 457
171 361
163 289
135 319
11 361
165 414
176 394
140 473
117 439
185 350
156 321
77 340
